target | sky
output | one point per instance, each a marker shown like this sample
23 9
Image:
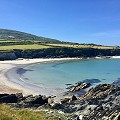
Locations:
80 21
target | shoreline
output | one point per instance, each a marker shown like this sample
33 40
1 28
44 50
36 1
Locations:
10 81
14 85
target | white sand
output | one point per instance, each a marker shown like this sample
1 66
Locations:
7 86
107 57
115 56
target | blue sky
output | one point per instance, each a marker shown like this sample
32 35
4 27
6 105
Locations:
81 21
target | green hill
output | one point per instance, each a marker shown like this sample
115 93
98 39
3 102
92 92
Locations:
15 44
13 34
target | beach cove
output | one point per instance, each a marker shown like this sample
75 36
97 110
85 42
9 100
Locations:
11 82
8 86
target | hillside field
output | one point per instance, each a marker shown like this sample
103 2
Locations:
8 44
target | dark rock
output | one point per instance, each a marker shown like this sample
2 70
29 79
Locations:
92 101
101 91
45 99
50 100
26 97
68 84
117 82
73 98
77 118
19 95
107 99
79 86
118 117
57 106
99 102
12 98
82 107
70 87
2 95
65 100
38 99
91 81
23 102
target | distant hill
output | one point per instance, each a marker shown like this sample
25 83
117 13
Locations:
13 34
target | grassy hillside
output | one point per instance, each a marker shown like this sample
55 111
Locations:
15 44
81 46
11 39
8 113
23 47
10 44
13 34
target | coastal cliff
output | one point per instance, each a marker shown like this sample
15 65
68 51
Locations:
7 55
58 52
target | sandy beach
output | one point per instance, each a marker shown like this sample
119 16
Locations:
14 85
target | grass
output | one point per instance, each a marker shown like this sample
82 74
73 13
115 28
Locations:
37 45
6 40
82 46
7 113
41 46
33 46
10 41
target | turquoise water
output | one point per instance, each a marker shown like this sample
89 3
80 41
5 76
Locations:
58 74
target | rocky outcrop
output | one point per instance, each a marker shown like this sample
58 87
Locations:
2 95
68 99
99 103
9 98
20 101
78 86
100 92
116 82
65 100
106 99
73 98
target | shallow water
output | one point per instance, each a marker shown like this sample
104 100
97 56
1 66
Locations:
59 75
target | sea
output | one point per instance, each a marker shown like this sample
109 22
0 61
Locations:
59 75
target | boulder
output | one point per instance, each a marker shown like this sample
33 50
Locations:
77 118
79 86
57 106
3 95
65 100
68 99
50 100
20 101
117 82
91 81
73 98
38 99
19 95
12 98
28 96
